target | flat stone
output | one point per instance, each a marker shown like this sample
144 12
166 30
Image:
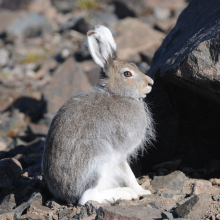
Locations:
164 203
39 209
173 194
127 213
173 181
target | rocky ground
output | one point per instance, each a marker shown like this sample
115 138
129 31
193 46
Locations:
44 61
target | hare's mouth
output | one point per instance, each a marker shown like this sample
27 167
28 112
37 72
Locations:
149 88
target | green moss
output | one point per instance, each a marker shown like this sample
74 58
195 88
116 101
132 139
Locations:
87 4
33 57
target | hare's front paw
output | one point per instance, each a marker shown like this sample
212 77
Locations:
131 192
142 192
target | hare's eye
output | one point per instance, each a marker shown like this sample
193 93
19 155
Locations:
127 74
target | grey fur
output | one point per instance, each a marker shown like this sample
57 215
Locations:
89 127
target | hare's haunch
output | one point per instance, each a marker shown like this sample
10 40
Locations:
94 134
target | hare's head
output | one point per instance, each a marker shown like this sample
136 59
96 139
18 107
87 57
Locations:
119 77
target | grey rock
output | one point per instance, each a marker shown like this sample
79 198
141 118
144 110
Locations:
127 212
173 181
173 194
154 205
30 25
194 208
8 202
4 56
167 215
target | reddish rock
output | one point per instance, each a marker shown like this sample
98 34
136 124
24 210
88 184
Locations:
68 80
127 213
39 210
196 187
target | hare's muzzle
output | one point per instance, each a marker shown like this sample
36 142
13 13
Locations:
150 81
148 84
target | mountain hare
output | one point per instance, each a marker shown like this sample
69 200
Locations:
94 133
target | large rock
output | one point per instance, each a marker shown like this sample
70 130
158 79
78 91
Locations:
189 56
185 97
68 80
135 36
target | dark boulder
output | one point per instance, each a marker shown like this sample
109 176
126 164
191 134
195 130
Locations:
189 56
186 95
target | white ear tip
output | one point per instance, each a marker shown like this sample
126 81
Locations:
107 34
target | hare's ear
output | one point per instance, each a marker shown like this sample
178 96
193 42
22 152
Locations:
108 35
99 48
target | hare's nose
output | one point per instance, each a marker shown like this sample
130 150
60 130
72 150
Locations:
149 80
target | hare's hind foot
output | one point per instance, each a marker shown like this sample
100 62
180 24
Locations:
110 195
